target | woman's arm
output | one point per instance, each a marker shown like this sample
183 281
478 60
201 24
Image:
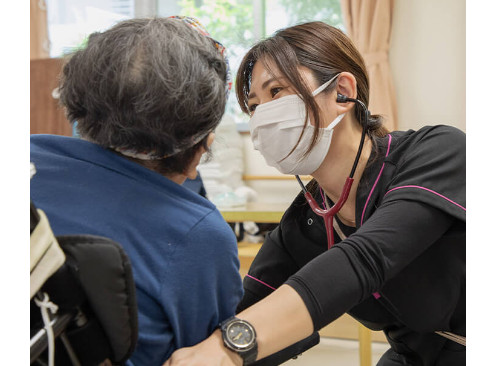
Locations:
280 320
337 280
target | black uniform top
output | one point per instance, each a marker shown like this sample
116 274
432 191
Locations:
408 248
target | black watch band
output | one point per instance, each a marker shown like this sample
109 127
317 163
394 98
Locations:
239 336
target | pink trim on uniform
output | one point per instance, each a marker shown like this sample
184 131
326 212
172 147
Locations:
255 279
428 190
376 294
376 181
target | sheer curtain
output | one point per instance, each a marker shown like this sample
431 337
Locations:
39 40
368 23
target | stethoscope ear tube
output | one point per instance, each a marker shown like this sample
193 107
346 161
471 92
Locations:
364 122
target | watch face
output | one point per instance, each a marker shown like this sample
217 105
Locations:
240 334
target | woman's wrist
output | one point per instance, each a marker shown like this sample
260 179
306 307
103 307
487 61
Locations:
280 320
210 351
217 342
239 336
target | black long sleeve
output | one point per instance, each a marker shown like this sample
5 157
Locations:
396 234
403 270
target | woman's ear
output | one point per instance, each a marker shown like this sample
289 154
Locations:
346 85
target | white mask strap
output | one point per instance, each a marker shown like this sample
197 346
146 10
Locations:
335 121
323 86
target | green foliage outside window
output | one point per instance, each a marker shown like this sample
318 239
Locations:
229 22
299 11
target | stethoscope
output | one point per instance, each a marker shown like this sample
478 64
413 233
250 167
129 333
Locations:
328 214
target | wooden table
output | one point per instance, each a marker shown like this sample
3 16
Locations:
272 213
255 211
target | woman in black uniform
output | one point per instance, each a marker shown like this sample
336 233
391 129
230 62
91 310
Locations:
398 263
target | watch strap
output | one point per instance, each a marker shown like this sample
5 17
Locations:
248 356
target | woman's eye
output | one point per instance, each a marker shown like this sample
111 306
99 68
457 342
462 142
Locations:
275 91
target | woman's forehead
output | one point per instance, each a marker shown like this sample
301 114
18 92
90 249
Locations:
266 69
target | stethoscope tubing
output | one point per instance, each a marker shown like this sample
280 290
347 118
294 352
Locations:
328 215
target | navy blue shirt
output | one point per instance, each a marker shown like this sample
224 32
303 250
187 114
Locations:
183 253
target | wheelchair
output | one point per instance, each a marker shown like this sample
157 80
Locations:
83 307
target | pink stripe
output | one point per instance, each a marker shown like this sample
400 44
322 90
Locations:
376 295
376 181
255 279
428 190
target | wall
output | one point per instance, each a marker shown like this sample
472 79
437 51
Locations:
429 71
428 61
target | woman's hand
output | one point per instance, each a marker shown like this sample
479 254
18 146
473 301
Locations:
209 352
282 312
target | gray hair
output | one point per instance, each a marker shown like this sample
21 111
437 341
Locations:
146 85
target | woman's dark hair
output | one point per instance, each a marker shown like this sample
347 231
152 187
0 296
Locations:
147 85
323 49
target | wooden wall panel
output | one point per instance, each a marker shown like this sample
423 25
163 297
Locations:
46 116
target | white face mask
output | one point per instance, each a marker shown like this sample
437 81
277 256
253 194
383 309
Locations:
276 127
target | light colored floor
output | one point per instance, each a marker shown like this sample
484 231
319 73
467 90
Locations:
336 352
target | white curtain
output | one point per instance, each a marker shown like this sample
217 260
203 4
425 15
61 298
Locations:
39 40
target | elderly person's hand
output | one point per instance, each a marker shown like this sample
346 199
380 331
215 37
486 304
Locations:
209 352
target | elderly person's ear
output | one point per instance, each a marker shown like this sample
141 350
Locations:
210 138
191 171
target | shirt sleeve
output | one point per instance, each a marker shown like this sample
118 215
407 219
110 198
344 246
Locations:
433 170
202 285
342 277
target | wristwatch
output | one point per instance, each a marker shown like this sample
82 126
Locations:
239 336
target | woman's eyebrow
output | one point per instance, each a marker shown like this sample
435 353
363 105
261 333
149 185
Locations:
264 85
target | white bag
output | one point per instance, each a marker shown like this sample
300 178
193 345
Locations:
45 254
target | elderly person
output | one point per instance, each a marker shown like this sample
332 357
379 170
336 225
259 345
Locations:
147 95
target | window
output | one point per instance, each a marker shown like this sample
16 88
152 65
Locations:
237 24
71 22
284 13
